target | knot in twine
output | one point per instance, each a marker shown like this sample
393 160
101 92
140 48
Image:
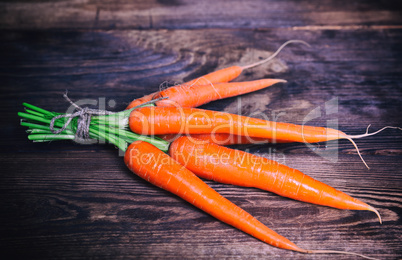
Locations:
83 121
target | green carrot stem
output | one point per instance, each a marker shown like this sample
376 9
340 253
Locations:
38 109
124 113
121 114
49 137
119 119
131 137
34 126
29 111
38 137
34 117
105 127
113 120
40 131
120 143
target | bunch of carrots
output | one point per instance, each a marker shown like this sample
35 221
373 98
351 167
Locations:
170 143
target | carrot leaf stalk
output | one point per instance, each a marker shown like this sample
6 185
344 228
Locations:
39 122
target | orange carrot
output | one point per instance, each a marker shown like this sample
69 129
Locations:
151 164
224 139
140 101
197 95
158 168
225 165
230 73
219 76
176 120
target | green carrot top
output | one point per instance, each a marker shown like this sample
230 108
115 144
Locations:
84 126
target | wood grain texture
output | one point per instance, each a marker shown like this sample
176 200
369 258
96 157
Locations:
64 200
192 14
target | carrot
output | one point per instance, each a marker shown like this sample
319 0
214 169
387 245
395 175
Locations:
176 120
151 164
225 165
230 73
219 76
197 95
140 101
224 139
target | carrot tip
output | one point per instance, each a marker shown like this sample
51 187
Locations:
275 54
358 152
351 137
337 252
374 133
376 212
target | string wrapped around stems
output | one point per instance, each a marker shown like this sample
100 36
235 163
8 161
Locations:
83 119
83 116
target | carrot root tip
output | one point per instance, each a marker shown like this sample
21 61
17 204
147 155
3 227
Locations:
351 137
337 252
275 54
376 212
358 152
374 133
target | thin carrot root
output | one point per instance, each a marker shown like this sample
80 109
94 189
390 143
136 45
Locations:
275 54
376 212
358 152
337 252
374 133
351 137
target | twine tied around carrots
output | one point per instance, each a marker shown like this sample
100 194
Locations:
83 121
83 116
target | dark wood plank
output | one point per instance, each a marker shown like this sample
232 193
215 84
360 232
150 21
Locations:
64 200
96 209
157 14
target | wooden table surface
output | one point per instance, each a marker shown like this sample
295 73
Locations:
62 200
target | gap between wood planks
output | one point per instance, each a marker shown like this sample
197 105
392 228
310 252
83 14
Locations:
346 27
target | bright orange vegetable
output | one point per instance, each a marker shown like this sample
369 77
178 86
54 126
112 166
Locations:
140 101
151 164
173 120
158 168
176 120
225 165
197 95
224 139
230 73
219 76
187 121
